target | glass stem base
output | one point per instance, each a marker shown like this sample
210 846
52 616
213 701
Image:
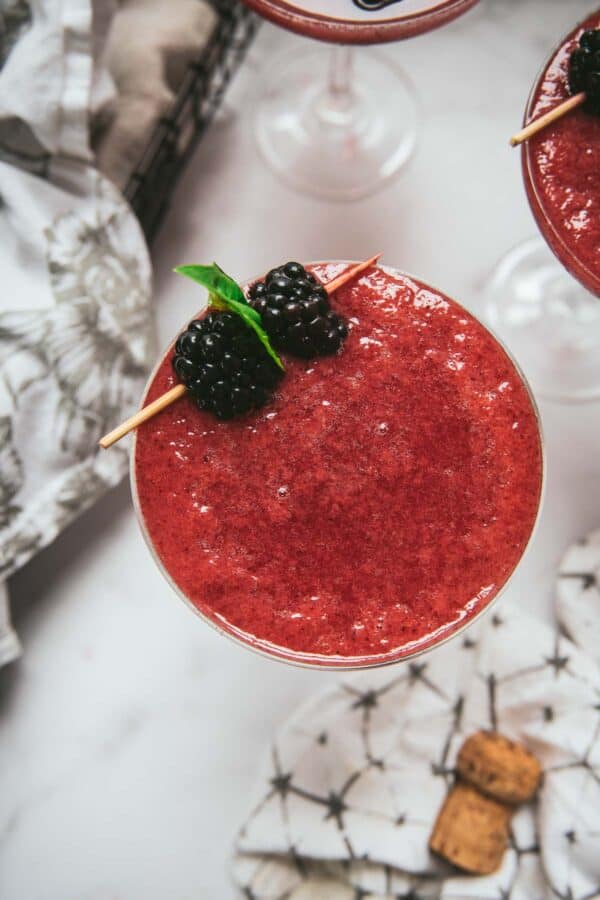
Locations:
549 321
336 127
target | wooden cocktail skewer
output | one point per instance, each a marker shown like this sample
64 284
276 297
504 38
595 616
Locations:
142 416
548 118
179 390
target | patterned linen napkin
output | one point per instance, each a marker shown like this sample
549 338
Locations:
75 324
353 782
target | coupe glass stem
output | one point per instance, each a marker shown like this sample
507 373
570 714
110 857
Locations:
340 70
337 104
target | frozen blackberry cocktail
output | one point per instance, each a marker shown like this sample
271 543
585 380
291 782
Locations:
561 166
340 125
375 503
546 317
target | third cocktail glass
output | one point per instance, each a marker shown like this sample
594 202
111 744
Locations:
544 302
340 126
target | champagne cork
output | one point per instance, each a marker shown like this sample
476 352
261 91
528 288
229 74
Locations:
499 768
494 776
471 830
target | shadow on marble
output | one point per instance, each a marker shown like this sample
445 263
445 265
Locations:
30 587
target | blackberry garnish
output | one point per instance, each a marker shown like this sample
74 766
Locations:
296 313
584 70
224 365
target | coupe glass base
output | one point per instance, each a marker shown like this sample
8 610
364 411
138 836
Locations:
549 321
336 125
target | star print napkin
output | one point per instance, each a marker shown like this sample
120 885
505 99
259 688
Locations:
354 780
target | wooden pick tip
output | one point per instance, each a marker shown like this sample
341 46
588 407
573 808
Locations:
547 119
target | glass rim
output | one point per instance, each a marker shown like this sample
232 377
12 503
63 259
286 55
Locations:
555 240
345 31
346 664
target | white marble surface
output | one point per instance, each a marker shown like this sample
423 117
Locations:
130 732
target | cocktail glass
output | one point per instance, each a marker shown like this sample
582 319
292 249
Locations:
340 125
542 297
333 663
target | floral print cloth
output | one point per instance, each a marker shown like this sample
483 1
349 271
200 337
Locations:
75 324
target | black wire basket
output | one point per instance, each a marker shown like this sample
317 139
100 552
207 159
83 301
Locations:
151 184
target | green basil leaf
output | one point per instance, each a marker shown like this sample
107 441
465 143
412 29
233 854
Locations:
215 280
225 293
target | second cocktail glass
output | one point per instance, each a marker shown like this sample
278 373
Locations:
339 126
543 297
